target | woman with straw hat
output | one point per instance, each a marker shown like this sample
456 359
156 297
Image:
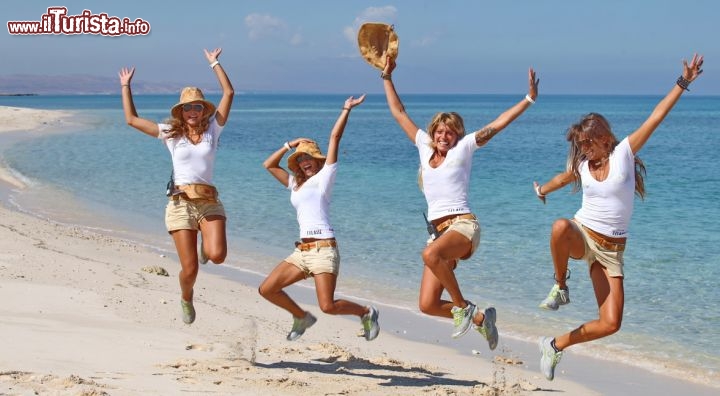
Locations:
445 165
191 135
316 254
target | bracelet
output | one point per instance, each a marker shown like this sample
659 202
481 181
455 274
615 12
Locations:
385 76
346 108
212 65
529 99
287 146
683 83
125 85
537 191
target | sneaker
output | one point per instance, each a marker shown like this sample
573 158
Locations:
549 358
202 258
188 311
300 325
371 328
462 318
488 329
556 298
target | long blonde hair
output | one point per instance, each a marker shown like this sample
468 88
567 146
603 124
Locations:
597 127
178 126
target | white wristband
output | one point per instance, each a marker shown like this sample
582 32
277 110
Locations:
529 99
212 65
537 191
287 146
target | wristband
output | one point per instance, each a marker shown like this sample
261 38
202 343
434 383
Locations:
346 108
683 83
385 76
212 65
529 99
287 146
537 191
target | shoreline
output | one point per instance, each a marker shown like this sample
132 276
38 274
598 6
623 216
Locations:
412 359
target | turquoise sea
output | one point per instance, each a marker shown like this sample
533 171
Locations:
107 175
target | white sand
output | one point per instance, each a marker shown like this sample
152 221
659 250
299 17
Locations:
79 315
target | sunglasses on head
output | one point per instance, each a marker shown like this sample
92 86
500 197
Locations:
193 107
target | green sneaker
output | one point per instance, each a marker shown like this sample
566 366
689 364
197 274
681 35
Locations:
300 325
556 298
488 329
462 319
188 311
549 358
371 328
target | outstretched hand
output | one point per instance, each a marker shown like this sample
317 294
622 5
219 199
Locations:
389 65
352 102
694 69
213 55
126 75
533 84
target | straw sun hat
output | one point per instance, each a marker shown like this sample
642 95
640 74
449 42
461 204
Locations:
376 40
310 148
189 95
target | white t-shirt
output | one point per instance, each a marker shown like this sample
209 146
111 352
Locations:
312 203
192 163
607 205
446 187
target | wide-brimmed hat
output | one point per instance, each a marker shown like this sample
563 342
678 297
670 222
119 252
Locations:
376 41
310 148
189 95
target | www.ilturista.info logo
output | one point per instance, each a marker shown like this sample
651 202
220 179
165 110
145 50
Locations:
57 21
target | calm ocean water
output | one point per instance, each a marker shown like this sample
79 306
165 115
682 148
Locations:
672 262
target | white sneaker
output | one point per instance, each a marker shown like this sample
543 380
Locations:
202 258
549 358
488 329
371 328
300 325
556 298
462 319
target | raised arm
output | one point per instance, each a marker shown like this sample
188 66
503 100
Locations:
339 128
272 163
559 181
690 72
490 130
228 93
393 100
131 116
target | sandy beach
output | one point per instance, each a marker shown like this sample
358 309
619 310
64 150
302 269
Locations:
86 313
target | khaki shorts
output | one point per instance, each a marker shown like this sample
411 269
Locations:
320 260
181 214
611 260
470 229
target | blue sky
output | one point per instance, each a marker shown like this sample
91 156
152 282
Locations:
576 46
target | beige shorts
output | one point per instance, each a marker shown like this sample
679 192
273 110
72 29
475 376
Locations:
470 229
320 260
181 214
611 260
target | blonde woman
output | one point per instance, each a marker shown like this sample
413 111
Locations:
609 173
191 135
446 161
316 255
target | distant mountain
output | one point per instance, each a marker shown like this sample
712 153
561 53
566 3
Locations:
77 85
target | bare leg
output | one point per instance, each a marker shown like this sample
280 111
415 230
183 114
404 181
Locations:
610 296
214 239
185 242
325 289
565 241
285 274
439 257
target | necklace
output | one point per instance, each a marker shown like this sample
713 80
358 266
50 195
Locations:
600 162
